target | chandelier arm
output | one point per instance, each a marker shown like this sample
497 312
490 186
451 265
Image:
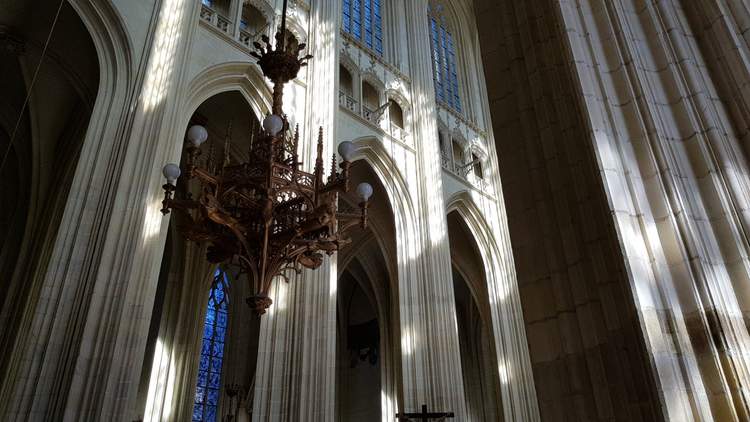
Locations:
204 176
253 273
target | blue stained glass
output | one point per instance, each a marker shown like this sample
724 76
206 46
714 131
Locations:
208 386
216 364
197 412
347 18
363 20
356 19
368 23
218 350
219 295
377 26
210 414
213 397
444 65
209 3
213 380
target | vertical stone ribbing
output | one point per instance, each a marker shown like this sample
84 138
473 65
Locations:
92 316
430 350
677 188
296 372
584 339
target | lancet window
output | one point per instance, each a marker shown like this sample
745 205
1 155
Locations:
208 388
444 66
362 20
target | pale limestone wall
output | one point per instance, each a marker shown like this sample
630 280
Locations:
584 337
640 204
159 63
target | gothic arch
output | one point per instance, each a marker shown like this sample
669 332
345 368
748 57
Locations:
371 262
481 232
477 147
374 80
264 8
397 95
462 203
233 76
109 118
481 337
371 150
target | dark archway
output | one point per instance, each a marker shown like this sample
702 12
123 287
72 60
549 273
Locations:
42 129
367 303
478 356
186 280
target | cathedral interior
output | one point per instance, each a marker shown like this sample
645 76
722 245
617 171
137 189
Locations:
375 210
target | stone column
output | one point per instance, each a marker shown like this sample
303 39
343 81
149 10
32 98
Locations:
676 177
296 372
91 319
429 335
174 369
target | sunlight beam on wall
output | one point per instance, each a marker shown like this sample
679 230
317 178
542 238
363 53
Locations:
163 54
161 385
153 220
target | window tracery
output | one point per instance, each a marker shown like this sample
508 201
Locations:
444 65
208 386
362 20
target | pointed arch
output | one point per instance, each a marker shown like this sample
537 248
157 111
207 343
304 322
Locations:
231 76
39 301
372 151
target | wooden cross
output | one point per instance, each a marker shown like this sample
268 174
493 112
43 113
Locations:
424 416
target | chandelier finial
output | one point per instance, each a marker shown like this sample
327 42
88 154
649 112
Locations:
279 64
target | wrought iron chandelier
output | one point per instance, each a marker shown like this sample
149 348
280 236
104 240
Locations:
266 215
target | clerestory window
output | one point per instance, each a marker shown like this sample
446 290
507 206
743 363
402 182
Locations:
362 20
444 65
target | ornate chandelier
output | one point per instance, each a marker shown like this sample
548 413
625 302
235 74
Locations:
267 215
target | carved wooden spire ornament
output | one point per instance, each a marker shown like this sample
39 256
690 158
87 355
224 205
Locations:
266 215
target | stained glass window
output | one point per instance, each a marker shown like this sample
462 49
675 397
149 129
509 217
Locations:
208 388
444 66
362 19
208 3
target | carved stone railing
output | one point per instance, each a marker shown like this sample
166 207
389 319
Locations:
397 132
463 172
370 116
245 38
348 102
214 19
207 14
446 162
223 23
